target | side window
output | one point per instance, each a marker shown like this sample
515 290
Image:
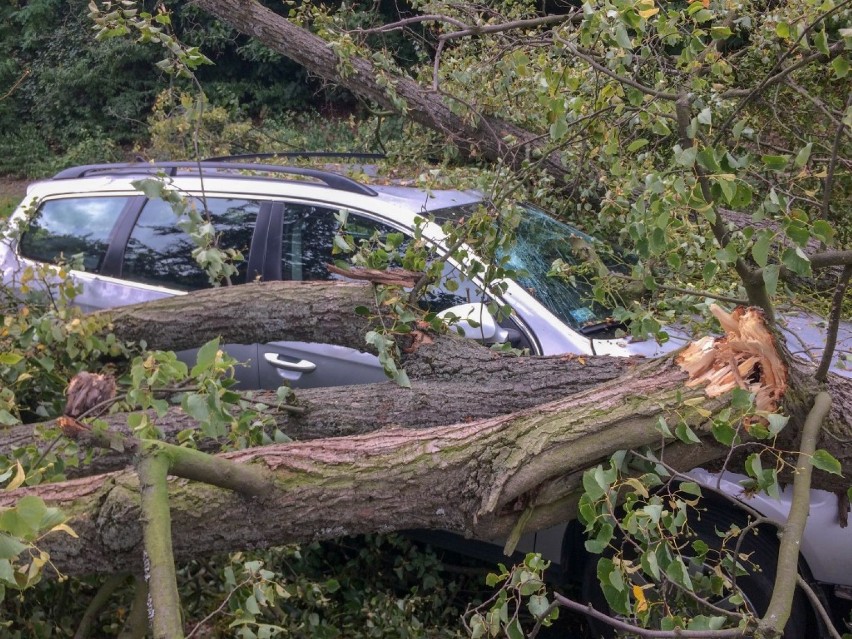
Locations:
70 226
160 253
309 237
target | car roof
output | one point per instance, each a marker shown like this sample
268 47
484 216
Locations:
266 179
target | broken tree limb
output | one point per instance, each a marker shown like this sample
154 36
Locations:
474 478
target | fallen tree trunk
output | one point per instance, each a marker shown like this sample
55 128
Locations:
478 133
454 380
474 479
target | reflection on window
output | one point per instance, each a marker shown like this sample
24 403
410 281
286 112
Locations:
309 237
160 253
71 226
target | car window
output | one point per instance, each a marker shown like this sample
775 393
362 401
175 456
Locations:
160 253
309 237
72 226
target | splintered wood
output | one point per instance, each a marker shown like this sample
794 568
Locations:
745 357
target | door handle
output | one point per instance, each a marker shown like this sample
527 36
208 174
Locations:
302 366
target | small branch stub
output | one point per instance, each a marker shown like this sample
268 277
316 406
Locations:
745 357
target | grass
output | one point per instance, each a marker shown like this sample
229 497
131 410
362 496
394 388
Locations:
8 203
11 194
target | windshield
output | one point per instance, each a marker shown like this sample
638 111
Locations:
540 241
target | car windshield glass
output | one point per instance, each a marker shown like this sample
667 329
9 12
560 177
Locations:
539 242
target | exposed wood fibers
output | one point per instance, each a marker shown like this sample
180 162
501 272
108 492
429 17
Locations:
746 357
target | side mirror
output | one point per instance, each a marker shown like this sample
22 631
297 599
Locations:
476 322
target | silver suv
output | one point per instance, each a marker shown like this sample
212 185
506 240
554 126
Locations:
284 221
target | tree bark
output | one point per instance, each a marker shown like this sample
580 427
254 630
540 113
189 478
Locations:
472 477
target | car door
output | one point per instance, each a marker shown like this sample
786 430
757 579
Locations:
156 259
86 227
307 234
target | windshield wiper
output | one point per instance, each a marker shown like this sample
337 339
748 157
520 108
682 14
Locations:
600 327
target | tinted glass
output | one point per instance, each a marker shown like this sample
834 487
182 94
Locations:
309 237
160 253
71 226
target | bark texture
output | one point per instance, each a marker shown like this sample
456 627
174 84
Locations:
475 479
475 476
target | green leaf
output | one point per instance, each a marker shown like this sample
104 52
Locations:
760 248
686 434
775 162
538 605
196 406
151 187
691 488
840 64
206 356
707 158
821 42
513 630
10 547
723 432
558 129
720 33
686 157
803 155
637 144
776 423
754 466
678 573
251 605
823 231
796 261
622 38
770 278
10 359
31 510
824 460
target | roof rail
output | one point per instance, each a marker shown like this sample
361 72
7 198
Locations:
357 155
206 167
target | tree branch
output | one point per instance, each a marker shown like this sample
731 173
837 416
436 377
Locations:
163 597
631 629
833 324
778 611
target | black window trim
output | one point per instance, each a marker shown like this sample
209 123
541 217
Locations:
114 257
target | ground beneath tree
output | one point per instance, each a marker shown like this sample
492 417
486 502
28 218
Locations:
12 191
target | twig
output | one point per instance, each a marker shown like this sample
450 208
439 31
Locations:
219 609
15 86
589 611
112 583
833 324
685 291
589 59
816 602
751 93
832 165
136 623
